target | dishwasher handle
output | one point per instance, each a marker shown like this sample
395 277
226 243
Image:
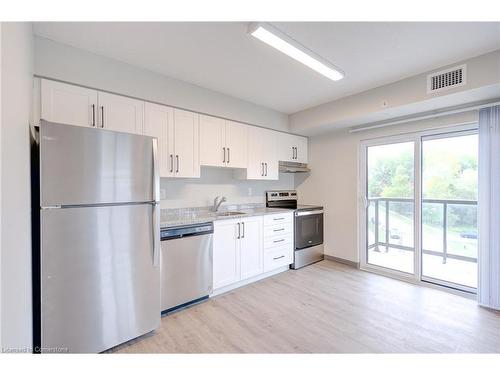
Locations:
186 231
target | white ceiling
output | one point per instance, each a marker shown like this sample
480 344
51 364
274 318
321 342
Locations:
223 57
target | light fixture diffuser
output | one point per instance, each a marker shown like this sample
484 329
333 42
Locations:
283 43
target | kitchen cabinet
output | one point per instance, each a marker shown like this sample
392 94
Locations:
278 241
75 105
120 113
237 250
159 123
262 156
226 254
68 104
251 255
184 147
223 143
178 137
292 148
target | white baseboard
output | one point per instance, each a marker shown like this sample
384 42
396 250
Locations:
241 283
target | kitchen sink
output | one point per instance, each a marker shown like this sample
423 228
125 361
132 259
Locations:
230 213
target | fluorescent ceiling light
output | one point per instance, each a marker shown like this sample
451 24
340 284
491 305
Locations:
282 42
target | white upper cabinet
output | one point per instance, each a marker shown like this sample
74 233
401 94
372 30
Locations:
186 144
292 148
68 104
262 155
159 123
212 141
236 145
120 113
223 143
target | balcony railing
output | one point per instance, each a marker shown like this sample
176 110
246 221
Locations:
444 227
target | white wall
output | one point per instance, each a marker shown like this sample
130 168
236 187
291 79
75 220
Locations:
333 159
176 193
59 61
405 97
16 94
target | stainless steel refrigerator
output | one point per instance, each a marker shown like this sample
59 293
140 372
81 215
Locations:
96 238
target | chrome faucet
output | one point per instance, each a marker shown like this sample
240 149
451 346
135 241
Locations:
218 202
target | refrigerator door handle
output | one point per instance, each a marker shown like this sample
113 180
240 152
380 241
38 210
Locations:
156 234
156 177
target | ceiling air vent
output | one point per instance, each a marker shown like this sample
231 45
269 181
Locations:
447 79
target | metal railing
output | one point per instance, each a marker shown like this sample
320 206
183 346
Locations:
444 202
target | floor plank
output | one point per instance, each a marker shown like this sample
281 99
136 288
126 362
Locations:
326 308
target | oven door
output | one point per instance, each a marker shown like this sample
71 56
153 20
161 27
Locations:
308 228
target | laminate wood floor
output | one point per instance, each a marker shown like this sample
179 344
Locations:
326 308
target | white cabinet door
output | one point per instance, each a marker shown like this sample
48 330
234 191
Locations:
251 247
301 149
271 167
158 122
212 141
68 104
286 150
186 144
236 144
255 165
120 113
226 253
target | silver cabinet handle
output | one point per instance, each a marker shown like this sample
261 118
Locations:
102 116
278 230
279 218
276 241
278 257
266 168
239 231
177 159
171 163
262 173
293 152
224 151
93 115
243 231
228 155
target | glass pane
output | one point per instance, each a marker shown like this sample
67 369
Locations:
449 209
391 206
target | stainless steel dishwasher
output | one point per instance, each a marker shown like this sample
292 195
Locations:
186 265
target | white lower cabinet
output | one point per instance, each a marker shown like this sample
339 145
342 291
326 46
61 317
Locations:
251 262
242 250
278 240
237 250
226 253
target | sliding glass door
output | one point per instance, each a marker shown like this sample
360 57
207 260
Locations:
391 203
418 219
449 210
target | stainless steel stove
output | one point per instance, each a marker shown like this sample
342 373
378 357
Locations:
308 226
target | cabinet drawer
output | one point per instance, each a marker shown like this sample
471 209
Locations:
278 230
278 218
275 241
278 257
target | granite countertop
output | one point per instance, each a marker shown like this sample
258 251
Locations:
185 216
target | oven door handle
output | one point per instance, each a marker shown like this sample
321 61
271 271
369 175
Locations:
306 213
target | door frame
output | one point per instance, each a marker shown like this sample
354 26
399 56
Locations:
417 138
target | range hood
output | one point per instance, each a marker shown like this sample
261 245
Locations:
293 167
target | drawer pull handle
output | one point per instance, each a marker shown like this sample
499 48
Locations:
279 240
279 257
279 218
278 230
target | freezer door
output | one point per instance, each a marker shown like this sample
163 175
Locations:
93 166
99 283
